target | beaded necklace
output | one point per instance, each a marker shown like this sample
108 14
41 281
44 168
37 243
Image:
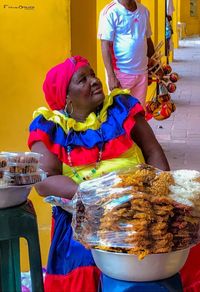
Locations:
97 164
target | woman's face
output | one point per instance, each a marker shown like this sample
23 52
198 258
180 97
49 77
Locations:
85 90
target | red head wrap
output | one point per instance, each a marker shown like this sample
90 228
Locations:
57 81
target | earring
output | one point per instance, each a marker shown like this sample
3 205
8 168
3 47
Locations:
66 108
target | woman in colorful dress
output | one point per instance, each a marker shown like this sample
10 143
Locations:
84 134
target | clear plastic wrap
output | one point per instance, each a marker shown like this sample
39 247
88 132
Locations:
16 179
20 168
142 211
3 161
22 157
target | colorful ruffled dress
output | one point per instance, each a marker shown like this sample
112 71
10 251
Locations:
190 273
70 266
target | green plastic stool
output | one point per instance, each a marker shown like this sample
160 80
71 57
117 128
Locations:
15 222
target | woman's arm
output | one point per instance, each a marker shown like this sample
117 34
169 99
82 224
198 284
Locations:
144 137
56 184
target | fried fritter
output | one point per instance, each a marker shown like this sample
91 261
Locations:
160 184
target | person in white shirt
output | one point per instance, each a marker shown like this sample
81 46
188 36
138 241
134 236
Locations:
168 27
125 34
170 7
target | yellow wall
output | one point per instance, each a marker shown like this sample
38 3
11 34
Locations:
175 19
100 65
32 41
83 30
151 5
192 23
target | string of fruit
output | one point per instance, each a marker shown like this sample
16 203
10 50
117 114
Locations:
161 106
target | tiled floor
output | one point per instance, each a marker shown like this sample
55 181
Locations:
180 134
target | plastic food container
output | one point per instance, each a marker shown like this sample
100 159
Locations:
128 267
24 168
3 161
16 179
3 181
22 157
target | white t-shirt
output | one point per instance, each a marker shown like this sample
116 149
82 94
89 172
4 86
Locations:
129 32
170 7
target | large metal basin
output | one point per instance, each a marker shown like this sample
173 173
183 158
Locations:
128 268
12 196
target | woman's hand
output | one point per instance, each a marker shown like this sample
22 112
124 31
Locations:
144 137
55 184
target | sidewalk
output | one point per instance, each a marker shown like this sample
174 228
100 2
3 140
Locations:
180 134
